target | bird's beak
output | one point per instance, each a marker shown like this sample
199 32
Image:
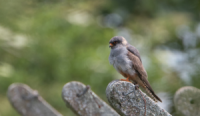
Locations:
110 45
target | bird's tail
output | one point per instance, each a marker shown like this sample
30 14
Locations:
152 93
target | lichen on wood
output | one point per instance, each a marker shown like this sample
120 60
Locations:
132 104
187 101
28 102
84 102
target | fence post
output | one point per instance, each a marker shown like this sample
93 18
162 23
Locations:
187 101
28 102
84 102
129 104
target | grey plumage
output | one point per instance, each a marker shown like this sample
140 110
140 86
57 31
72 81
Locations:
126 60
119 59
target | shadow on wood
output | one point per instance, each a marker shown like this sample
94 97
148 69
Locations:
131 104
84 102
28 102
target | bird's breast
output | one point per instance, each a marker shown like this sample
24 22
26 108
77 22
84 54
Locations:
121 62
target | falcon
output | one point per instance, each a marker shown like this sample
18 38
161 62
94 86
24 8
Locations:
125 58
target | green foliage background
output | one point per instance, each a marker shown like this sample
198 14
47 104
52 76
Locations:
47 43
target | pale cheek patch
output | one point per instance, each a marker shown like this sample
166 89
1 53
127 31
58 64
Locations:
124 42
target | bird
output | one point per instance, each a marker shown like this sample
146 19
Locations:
126 59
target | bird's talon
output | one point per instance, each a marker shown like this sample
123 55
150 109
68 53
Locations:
136 87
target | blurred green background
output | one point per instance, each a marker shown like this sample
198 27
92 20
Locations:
47 43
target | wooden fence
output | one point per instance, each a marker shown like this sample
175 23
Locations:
121 95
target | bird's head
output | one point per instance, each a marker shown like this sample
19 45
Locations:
117 41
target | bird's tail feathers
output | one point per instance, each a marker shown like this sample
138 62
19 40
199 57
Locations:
152 94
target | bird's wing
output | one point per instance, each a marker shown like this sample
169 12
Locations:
137 66
134 51
142 74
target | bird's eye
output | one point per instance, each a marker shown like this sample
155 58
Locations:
115 42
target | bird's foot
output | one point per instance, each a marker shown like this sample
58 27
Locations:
127 79
136 86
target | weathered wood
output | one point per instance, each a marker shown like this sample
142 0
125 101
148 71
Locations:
129 104
84 102
28 102
187 101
